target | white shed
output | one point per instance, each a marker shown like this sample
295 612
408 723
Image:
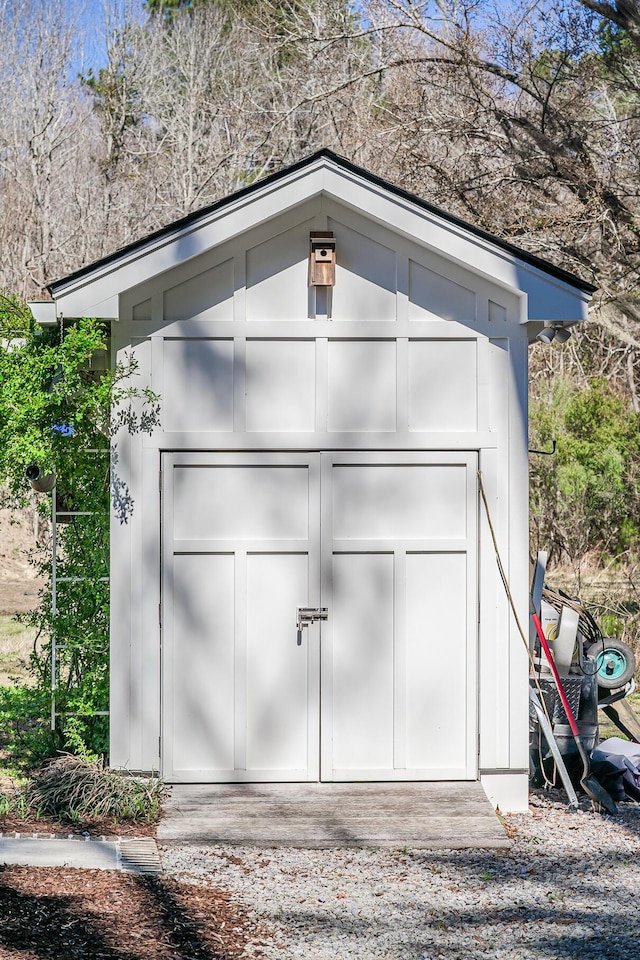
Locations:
319 449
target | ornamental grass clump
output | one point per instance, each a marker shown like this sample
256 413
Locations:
76 788
14 804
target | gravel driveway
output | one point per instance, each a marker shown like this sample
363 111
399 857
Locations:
570 887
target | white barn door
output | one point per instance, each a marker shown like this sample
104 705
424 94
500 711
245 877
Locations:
240 554
385 689
399 690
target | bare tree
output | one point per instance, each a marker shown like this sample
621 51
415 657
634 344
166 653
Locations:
521 117
41 166
194 107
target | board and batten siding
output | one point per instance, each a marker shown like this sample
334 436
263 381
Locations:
409 353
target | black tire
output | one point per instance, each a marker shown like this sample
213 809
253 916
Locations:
615 660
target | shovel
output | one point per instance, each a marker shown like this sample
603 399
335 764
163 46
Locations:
588 782
553 746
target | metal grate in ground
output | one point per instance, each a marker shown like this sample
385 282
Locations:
139 856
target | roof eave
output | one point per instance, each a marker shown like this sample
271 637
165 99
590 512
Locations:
175 229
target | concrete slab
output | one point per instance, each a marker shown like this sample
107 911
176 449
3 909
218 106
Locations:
59 852
132 855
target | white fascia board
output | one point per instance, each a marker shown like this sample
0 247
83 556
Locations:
163 253
105 310
549 298
43 312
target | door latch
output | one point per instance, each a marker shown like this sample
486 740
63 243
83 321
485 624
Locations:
307 615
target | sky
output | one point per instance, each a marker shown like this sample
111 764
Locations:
101 16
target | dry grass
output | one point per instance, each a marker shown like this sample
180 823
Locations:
69 787
607 728
611 593
16 644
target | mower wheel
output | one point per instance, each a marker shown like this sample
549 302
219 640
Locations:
615 662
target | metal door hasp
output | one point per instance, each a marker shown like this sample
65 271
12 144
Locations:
307 615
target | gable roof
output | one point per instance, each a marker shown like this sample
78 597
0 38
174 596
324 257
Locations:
322 160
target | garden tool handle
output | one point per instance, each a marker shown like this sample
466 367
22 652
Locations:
563 697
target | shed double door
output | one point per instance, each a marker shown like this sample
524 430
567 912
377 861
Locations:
385 688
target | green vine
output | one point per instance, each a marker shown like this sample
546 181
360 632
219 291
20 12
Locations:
58 414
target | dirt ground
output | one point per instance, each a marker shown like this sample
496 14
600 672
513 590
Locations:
18 596
63 914
19 584
19 588
10 825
